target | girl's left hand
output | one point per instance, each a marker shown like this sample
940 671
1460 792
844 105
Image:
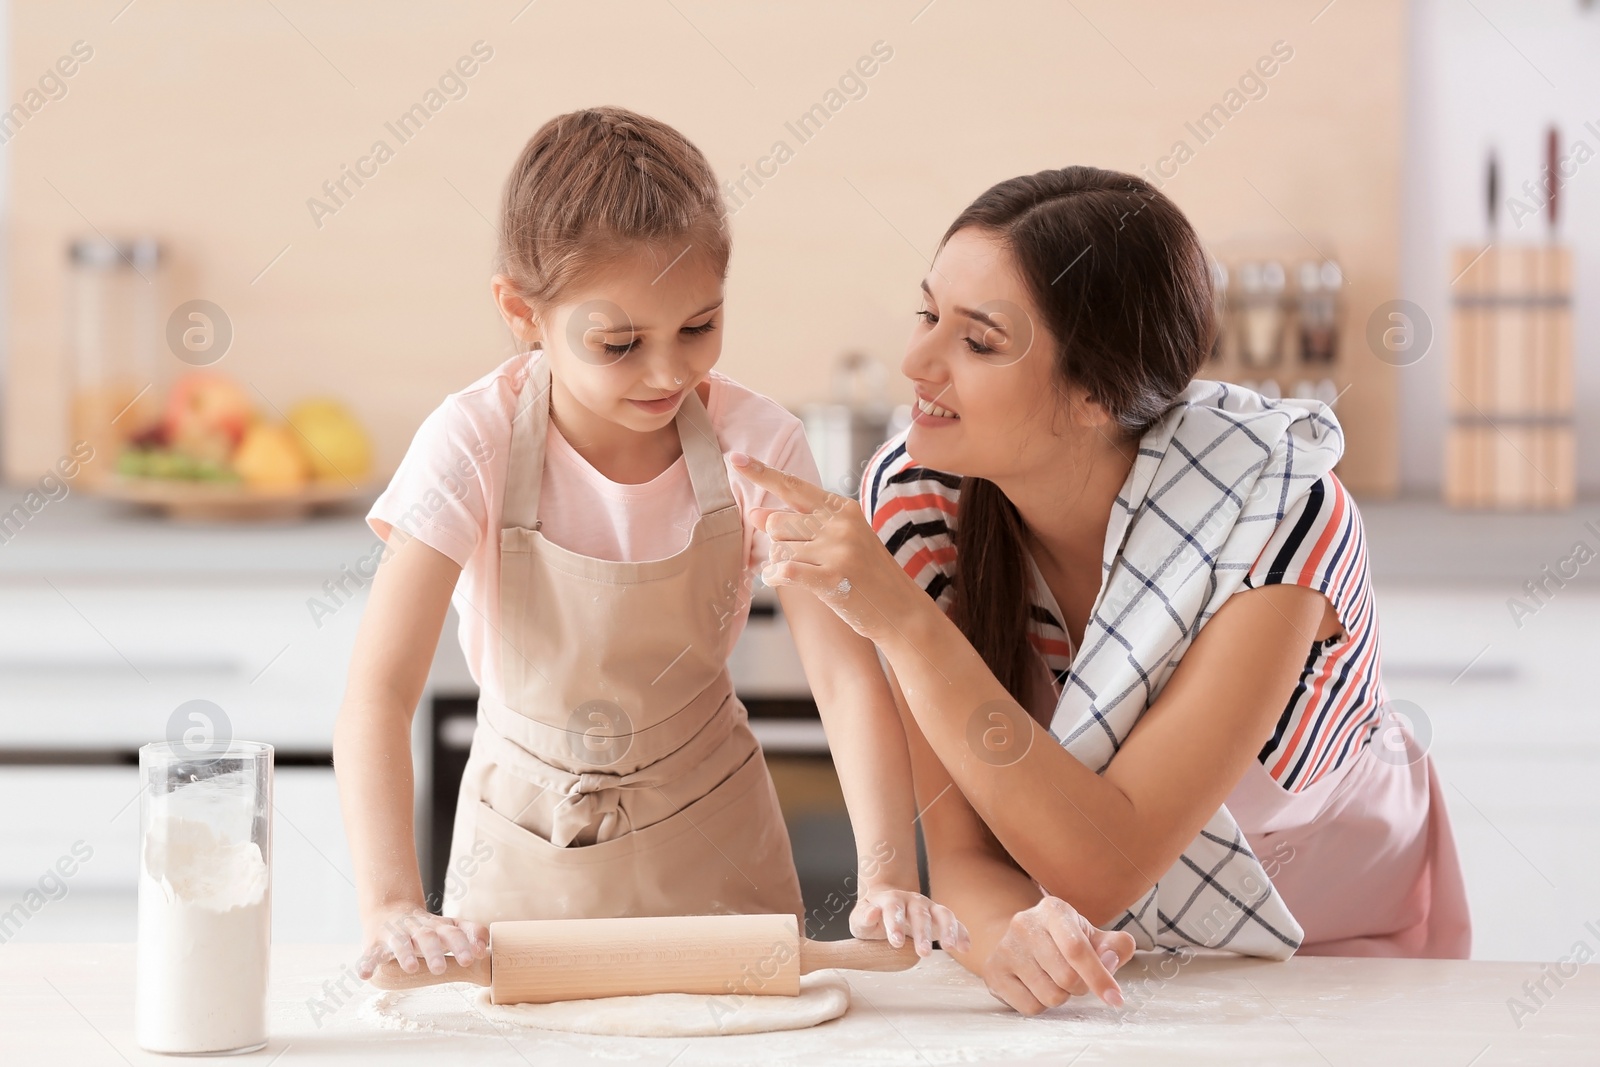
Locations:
826 546
895 914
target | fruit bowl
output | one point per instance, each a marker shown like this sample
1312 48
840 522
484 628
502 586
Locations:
213 456
196 501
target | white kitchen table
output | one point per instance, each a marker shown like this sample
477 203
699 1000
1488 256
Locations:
63 1005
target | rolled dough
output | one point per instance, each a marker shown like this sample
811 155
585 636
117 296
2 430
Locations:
823 996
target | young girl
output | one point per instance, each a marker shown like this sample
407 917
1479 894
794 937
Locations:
576 505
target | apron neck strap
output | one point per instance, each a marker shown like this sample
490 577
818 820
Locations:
525 463
703 456
531 421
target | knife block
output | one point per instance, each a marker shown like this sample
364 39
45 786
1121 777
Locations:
1510 440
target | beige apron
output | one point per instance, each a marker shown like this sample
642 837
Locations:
620 776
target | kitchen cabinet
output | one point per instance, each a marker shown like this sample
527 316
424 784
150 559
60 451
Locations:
1510 718
90 816
94 668
109 622
89 661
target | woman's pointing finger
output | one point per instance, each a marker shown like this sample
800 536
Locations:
796 492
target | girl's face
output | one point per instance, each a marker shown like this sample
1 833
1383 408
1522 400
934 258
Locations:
629 344
989 402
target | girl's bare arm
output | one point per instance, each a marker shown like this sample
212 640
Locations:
394 649
869 751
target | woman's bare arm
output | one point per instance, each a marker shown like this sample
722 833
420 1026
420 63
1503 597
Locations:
1096 840
1111 836
1032 950
967 869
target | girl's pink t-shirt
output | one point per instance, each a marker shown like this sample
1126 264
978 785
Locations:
449 487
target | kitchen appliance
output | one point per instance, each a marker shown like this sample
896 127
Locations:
538 961
845 431
114 333
205 909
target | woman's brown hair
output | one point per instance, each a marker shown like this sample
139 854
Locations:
1122 283
591 184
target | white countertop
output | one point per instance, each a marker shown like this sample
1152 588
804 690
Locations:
73 1004
1419 541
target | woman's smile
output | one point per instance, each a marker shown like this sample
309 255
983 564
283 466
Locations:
930 413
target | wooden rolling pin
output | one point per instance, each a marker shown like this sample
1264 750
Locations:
536 961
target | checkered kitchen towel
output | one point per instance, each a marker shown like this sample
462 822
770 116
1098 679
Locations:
1212 481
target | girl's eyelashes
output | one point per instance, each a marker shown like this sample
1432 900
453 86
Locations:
928 317
690 331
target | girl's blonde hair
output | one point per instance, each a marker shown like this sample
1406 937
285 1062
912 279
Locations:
592 184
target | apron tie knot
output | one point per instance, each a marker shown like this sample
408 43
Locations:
590 809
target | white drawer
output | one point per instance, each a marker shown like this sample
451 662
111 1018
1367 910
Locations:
92 664
53 809
88 819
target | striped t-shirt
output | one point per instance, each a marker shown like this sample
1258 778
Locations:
1336 704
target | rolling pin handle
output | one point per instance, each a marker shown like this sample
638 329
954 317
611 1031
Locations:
856 955
390 976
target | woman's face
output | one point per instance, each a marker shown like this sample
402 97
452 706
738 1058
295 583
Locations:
983 364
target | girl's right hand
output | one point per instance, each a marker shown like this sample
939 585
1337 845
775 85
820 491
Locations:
409 931
896 915
1050 953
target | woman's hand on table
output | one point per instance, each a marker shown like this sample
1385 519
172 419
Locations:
1050 953
823 543
412 935
896 914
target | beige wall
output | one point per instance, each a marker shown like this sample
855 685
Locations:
211 125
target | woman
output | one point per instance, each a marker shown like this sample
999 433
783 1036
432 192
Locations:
1165 574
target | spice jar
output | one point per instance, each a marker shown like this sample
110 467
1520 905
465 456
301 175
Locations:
1318 310
1260 313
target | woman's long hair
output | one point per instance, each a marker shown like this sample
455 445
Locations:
1123 284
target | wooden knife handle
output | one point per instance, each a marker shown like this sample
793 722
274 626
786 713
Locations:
390 976
856 955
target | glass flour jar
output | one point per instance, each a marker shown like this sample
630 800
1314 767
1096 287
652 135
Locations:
205 900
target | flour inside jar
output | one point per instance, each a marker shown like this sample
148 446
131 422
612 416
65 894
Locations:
204 937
